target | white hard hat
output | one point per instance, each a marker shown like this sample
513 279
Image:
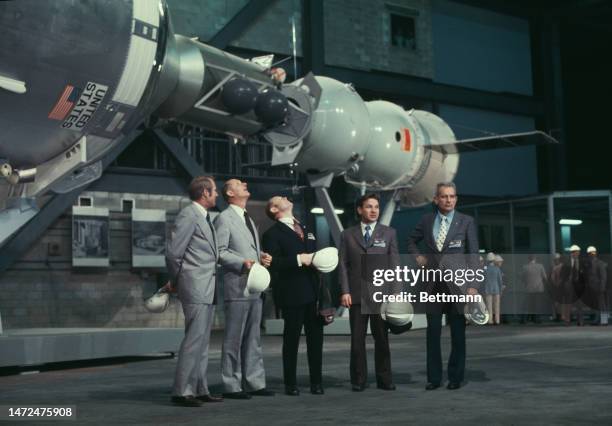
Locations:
258 280
574 247
325 260
490 256
397 313
158 302
498 258
591 249
476 312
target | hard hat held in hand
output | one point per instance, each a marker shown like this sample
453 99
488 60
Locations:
325 260
397 313
476 312
258 280
158 302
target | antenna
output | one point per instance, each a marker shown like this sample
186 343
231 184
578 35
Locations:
294 42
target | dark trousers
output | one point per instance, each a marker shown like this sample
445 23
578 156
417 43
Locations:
295 317
382 354
456 362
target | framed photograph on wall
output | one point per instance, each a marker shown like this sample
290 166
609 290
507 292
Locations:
90 236
148 238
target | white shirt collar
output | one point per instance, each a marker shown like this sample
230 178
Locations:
239 210
202 209
372 226
288 221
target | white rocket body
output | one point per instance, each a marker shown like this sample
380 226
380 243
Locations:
376 144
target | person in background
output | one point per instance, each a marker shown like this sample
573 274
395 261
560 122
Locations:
597 279
555 286
573 276
493 289
534 277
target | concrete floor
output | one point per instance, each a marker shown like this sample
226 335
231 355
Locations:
516 375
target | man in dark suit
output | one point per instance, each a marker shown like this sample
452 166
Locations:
451 243
367 238
296 289
574 276
597 286
191 258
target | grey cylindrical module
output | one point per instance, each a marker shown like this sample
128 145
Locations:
202 73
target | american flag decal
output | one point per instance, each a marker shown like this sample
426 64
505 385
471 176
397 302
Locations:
65 103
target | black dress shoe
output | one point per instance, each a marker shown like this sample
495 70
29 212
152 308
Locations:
432 386
209 398
316 389
389 387
292 390
262 392
358 388
237 395
453 385
186 401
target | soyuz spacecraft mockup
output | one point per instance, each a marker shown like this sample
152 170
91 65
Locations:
77 76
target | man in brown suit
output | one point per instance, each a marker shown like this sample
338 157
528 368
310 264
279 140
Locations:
371 238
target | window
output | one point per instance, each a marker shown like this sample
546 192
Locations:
403 31
127 204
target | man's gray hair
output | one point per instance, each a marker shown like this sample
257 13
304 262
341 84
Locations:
445 185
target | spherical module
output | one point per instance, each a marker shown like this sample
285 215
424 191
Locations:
239 95
272 106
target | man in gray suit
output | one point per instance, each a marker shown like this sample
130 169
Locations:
191 258
241 360
380 242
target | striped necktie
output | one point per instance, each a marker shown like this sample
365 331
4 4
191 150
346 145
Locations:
367 235
442 233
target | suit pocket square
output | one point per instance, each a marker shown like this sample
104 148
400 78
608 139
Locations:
311 236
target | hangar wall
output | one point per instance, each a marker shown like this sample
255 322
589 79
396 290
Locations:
485 50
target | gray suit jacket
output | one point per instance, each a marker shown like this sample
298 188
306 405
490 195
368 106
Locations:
191 257
235 246
384 255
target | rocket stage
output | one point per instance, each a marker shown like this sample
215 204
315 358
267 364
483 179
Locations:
515 375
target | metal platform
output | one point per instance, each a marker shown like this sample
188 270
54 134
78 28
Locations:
33 346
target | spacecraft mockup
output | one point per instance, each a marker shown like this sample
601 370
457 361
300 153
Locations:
77 77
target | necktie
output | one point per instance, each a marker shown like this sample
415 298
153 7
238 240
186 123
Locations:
298 229
212 230
249 225
367 235
442 234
